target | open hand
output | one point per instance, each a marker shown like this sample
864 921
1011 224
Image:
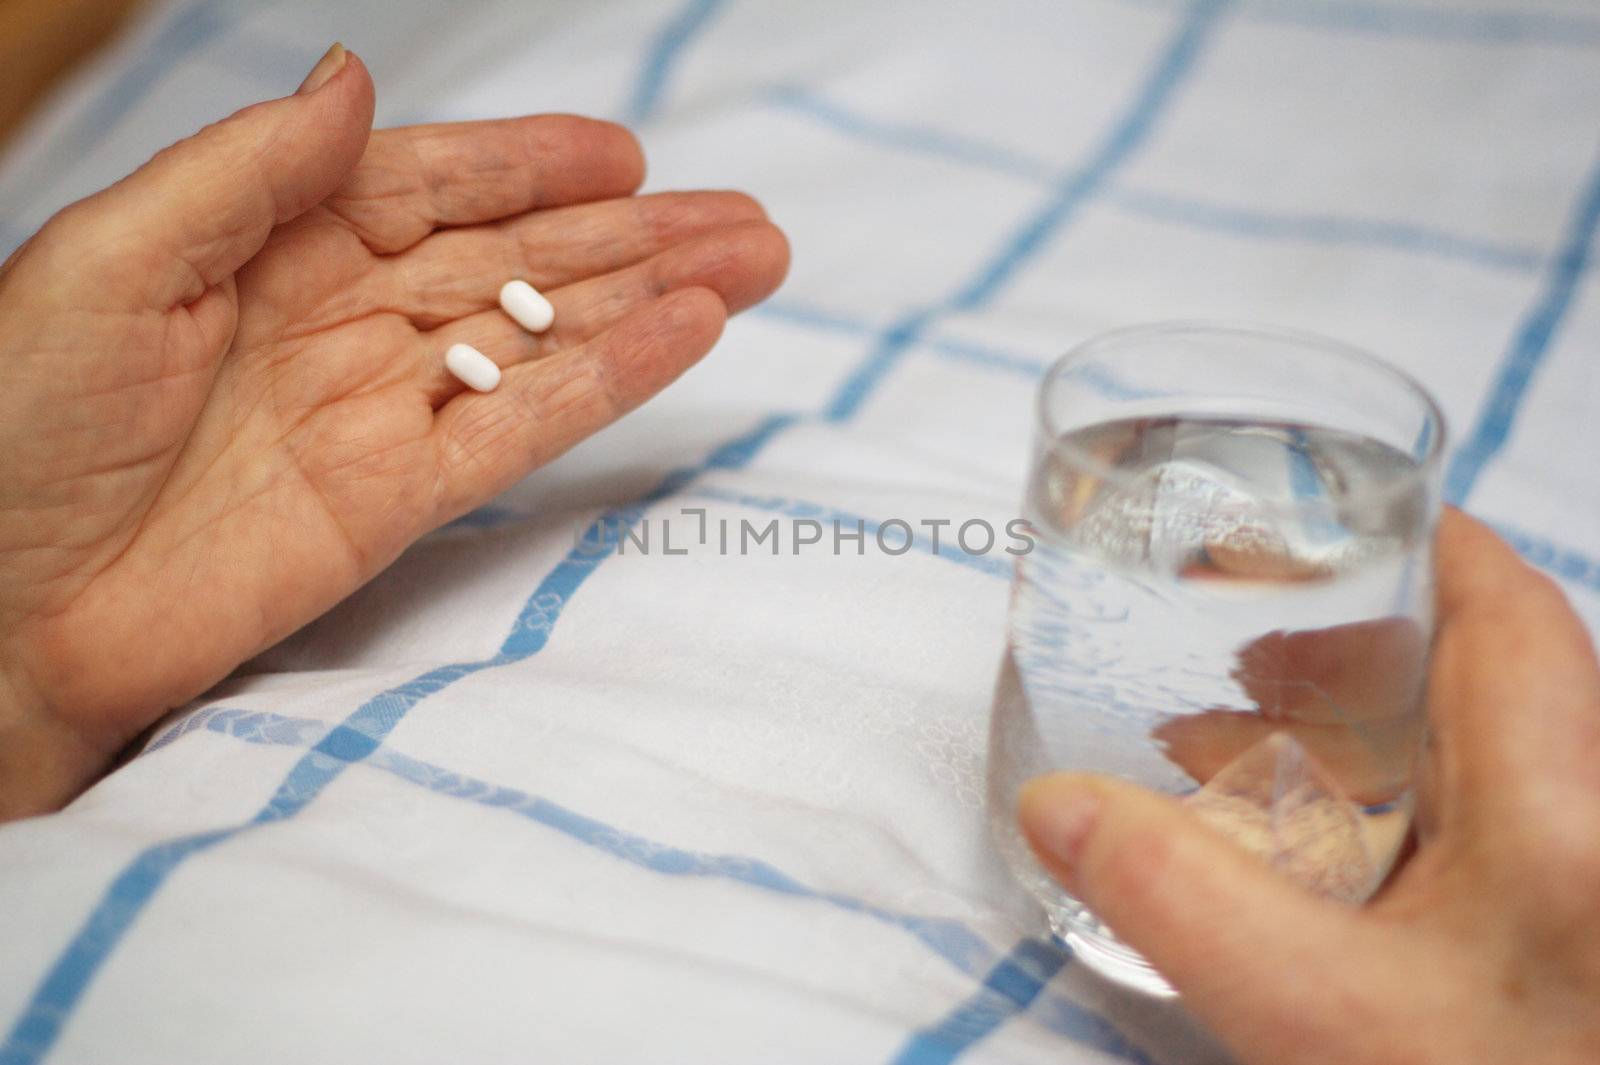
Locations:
223 404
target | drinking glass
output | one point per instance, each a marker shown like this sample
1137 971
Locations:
1228 599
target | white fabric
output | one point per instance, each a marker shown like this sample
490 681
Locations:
719 808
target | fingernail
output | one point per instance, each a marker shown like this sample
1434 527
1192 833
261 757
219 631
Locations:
331 63
1057 819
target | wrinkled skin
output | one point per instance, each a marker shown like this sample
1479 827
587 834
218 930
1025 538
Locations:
222 398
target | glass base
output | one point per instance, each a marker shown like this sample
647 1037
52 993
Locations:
1093 944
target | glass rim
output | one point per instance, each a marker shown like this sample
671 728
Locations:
1417 477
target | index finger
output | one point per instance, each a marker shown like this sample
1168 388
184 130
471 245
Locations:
415 179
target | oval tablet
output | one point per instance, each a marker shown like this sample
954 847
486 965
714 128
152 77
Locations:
524 303
472 367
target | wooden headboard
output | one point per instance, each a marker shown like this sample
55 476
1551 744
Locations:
42 40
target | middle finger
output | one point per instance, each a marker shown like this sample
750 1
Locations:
458 272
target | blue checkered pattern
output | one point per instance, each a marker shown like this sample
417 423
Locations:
968 194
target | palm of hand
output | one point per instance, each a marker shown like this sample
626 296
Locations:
213 452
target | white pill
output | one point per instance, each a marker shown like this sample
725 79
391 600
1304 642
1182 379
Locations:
473 367
524 303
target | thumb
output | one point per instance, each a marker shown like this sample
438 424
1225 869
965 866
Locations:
1233 936
202 208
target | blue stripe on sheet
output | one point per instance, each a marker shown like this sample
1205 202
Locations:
812 317
989 356
40 1024
53 1002
359 736
62 988
911 136
957 349
1566 563
258 726
1020 976
964 350
1012 987
1562 562
1529 347
948 938
1257 223
663 56
1177 59
488 516
1328 229
1008 989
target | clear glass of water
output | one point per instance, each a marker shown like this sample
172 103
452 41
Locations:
1229 600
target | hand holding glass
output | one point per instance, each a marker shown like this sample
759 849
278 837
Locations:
1229 600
